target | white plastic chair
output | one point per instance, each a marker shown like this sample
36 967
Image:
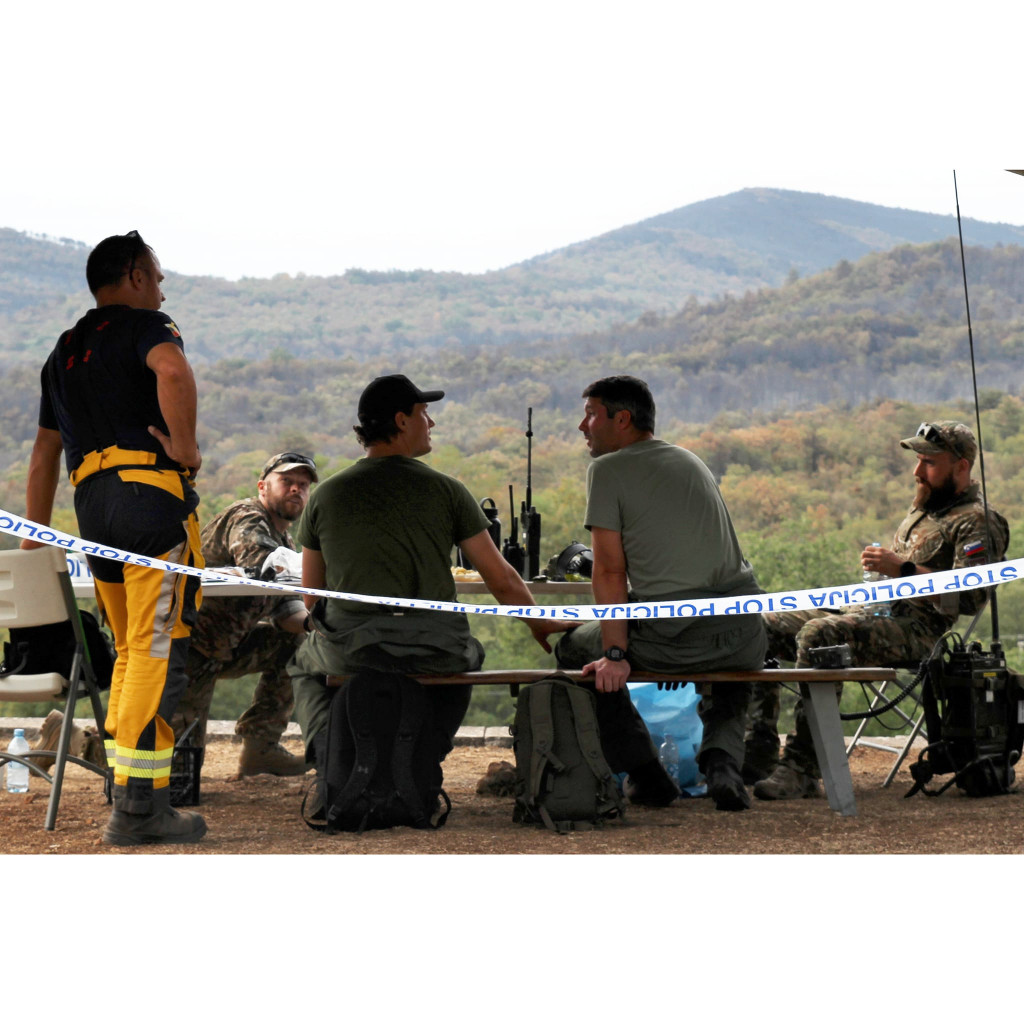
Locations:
35 590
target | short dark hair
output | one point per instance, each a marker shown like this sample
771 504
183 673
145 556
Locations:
378 431
625 392
113 258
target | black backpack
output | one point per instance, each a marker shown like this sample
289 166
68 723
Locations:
381 765
34 650
562 778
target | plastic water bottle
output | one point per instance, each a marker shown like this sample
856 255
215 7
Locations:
873 577
17 774
668 755
878 607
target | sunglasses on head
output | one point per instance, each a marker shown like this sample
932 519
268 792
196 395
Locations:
933 435
139 248
303 460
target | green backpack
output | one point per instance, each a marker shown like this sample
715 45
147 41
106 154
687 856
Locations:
562 778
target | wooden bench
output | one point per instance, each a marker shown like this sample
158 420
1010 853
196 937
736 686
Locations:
817 686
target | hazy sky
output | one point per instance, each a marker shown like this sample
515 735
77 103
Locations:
257 138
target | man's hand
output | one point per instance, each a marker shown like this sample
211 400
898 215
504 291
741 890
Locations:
507 585
187 457
542 630
882 560
609 676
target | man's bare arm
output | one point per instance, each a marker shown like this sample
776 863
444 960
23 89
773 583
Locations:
610 586
314 574
176 394
43 476
293 623
507 585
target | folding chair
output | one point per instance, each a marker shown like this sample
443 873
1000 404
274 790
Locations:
35 590
916 725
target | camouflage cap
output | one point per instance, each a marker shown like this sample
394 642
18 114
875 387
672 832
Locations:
285 461
943 436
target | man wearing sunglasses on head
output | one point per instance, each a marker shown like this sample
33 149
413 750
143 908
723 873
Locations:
944 529
238 636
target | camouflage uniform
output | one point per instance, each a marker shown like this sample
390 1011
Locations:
906 633
235 636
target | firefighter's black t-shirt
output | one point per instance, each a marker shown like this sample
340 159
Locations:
96 388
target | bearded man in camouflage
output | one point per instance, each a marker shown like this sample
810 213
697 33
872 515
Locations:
236 636
944 529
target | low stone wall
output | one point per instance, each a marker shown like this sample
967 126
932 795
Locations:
224 731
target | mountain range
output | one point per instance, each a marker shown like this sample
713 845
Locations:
733 245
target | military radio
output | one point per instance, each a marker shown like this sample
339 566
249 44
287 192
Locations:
974 717
528 514
511 550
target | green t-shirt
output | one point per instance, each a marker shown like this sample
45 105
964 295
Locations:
676 532
386 527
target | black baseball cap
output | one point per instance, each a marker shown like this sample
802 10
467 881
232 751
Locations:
384 396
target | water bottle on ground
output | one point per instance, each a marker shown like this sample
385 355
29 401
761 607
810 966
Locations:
668 755
17 774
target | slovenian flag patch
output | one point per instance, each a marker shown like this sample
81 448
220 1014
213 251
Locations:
974 549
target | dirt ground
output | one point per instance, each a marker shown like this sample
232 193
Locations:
260 815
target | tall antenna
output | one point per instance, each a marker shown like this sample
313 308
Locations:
977 410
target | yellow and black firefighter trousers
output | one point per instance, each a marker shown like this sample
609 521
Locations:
148 512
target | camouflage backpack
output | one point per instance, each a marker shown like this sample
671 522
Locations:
562 778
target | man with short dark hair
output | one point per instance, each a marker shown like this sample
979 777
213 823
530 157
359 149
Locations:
237 636
119 400
660 531
386 527
944 529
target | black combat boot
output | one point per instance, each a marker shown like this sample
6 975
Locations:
165 824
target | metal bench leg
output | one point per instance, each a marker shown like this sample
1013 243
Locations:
830 745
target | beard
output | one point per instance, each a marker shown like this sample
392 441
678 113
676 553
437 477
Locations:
288 511
933 499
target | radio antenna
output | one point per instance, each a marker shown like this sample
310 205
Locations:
977 409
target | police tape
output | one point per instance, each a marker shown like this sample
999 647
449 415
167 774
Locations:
933 584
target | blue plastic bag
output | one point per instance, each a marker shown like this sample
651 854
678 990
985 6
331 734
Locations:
674 713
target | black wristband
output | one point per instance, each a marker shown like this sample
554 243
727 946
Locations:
908 569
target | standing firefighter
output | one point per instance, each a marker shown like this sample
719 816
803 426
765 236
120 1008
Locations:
119 399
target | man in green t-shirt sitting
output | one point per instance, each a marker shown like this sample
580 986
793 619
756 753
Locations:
386 527
660 531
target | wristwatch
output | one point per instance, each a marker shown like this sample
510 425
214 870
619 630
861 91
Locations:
615 654
908 569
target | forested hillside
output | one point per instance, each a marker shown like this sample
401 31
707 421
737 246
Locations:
889 326
734 244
